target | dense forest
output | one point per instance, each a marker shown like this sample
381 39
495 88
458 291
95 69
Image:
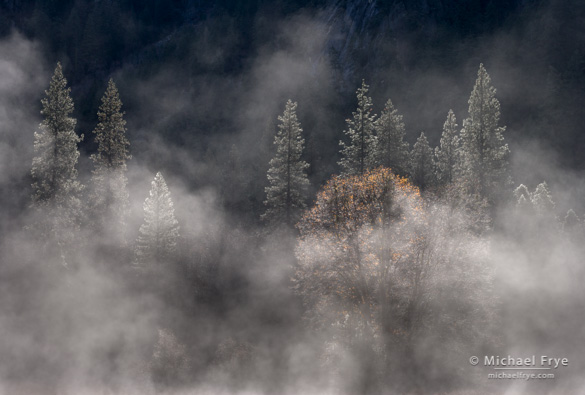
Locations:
291 197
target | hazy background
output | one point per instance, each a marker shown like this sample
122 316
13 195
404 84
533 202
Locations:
198 78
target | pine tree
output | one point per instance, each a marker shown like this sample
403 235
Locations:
392 150
484 152
360 154
422 167
523 199
447 154
522 192
55 186
571 223
287 174
542 200
110 194
157 241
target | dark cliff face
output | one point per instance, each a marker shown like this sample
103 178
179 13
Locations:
98 37
423 54
371 34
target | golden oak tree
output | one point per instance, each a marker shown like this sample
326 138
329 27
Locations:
380 265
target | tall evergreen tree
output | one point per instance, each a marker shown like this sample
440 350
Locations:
360 154
392 150
542 200
287 174
422 166
110 193
55 186
484 152
157 241
447 153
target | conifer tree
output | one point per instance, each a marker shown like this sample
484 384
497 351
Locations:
523 199
158 235
447 153
571 223
522 192
542 200
392 150
484 152
422 167
360 154
110 194
55 186
287 174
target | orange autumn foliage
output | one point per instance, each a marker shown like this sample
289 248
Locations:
377 262
351 240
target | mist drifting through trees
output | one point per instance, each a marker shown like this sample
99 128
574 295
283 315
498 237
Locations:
266 199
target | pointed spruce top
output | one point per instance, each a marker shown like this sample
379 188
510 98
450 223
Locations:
112 96
422 138
159 182
57 102
482 90
364 101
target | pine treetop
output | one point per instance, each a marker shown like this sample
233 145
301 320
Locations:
447 153
110 132
359 154
392 150
57 105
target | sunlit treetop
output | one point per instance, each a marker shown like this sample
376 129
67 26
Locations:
54 166
347 203
360 152
287 174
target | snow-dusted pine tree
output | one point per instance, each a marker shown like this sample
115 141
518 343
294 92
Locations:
391 150
484 153
287 174
157 241
360 154
521 193
523 199
447 153
55 186
571 223
542 200
109 182
422 166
